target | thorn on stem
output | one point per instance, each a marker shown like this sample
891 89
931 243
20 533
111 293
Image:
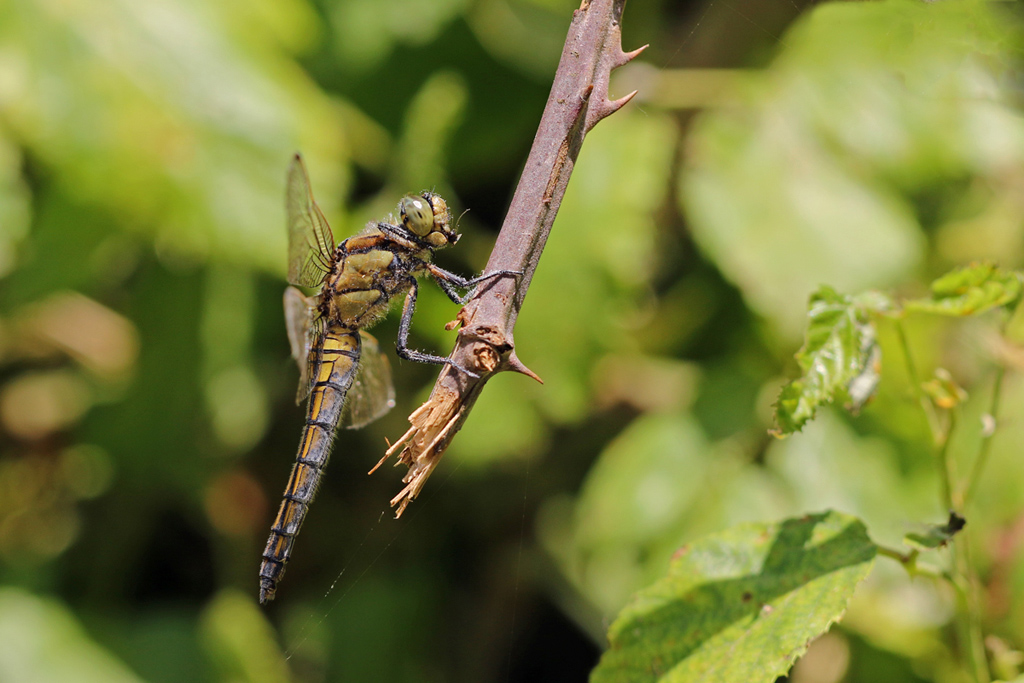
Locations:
517 365
627 57
615 105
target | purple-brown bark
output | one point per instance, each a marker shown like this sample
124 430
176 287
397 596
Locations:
578 100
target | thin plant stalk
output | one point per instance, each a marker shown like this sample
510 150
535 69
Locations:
962 577
985 448
915 382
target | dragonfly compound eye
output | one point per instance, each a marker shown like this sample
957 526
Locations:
444 232
417 215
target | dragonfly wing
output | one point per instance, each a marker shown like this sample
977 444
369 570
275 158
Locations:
304 330
310 240
372 394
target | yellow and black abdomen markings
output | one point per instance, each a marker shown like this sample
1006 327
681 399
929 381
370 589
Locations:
339 357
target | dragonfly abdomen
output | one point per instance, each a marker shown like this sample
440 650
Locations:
339 358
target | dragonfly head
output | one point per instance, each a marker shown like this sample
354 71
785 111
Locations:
427 217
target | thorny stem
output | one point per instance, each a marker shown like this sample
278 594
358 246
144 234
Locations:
578 100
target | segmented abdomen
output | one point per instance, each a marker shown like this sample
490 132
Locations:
339 358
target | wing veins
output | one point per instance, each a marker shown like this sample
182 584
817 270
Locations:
310 240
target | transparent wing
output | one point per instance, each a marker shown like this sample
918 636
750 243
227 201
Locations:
310 241
304 330
372 394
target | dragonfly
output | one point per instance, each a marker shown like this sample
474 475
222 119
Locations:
343 374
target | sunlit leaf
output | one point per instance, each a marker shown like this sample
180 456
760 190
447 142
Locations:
643 482
862 387
42 642
740 605
657 484
367 30
171 116
970 290
818 174
241 641
526 35
15 204
432 116
832 464
840 359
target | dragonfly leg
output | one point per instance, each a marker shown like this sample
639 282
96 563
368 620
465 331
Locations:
449 289
402 344
448 281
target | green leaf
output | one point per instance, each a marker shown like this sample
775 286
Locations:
15 204
816 171
366 31
241 641
432 117
971 290
840 358
43 641
183 135
740 605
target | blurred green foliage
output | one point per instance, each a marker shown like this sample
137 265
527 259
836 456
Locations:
147 421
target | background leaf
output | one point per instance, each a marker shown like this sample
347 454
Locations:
740 605
43 642
867 130
840 349
970 290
